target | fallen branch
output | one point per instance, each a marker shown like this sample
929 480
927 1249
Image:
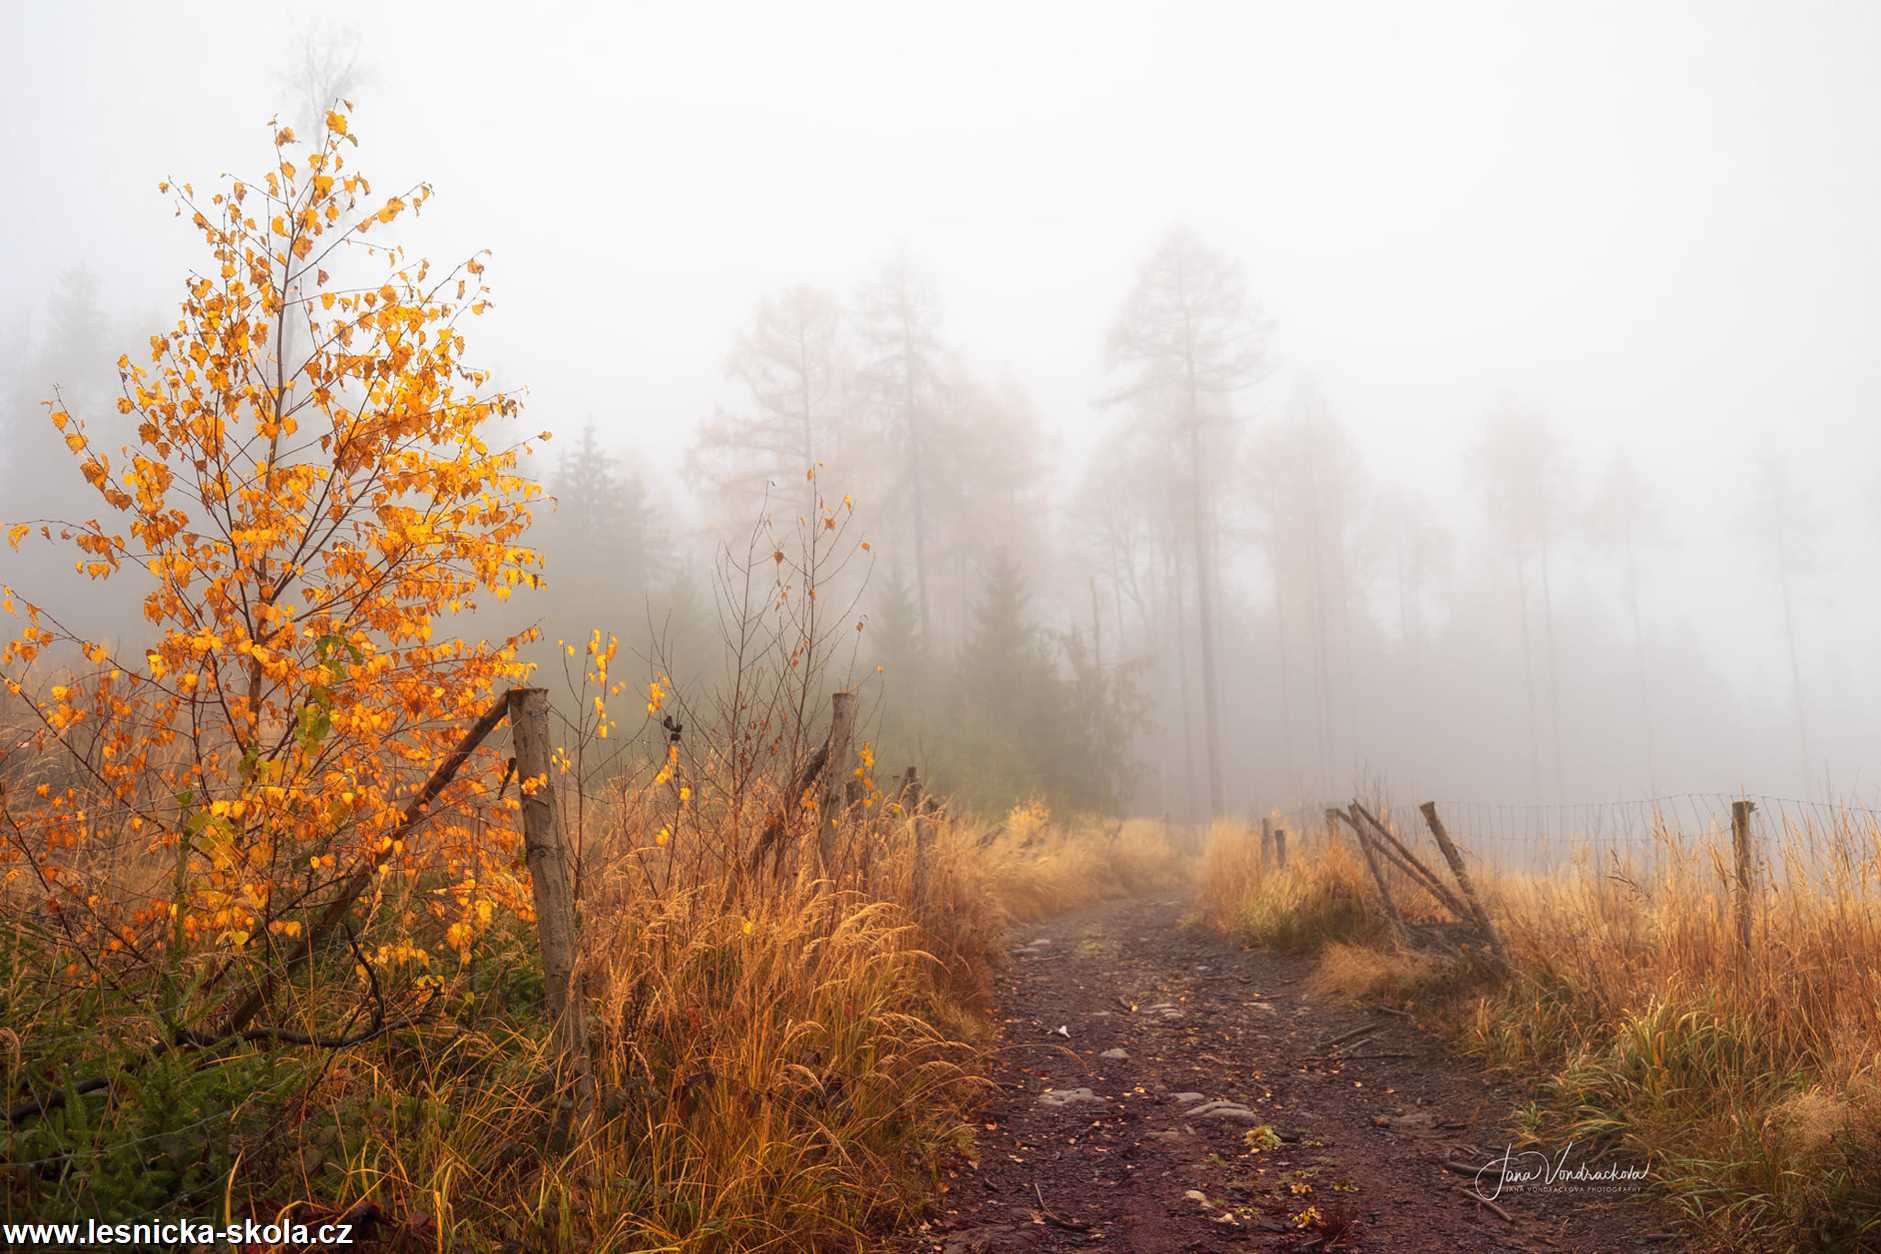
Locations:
1364 1029
1491 1206
243 1012
1055 1220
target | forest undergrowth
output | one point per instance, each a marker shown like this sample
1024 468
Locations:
1749 1078
269 935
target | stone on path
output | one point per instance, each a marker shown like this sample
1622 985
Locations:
1222 1109
1069 1097
1119 1054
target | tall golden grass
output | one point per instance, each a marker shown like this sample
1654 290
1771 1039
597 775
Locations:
1751 1078
782 1058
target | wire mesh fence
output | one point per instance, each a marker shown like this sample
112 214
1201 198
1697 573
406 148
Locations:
1788 833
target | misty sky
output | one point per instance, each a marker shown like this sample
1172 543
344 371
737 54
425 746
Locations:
1658 224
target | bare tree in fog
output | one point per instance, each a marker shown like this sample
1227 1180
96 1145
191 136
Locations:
898 320
977 503
1303 477
1524 492
328 66
1109 511
1624 516
1788 526
1189 333
1404 525
790 360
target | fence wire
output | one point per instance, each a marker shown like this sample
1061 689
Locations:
1543 835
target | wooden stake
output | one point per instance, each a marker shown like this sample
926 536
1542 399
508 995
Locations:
1280 847
1378 877
547 859
1746 870
1406 861
1454 857
842 720
1267 840
923 833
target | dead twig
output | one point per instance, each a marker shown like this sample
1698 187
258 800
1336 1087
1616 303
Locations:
1486 1204
1056 1220
1362 1030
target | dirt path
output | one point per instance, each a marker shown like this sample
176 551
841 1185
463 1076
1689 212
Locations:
1152 1150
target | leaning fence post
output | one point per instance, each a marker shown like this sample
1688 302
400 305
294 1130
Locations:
1746 869
911 806
546 857
1454 857
842 717
1378 877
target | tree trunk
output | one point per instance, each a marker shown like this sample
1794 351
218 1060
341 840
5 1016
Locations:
1205 611
1286 681
1554 687
1174 565
1528 680
1322 676
1796 669
1639 653
911 418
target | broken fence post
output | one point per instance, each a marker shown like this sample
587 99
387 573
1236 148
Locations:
1454 857
911 806
1746 870
1399 855
842 720
1378 876
546 857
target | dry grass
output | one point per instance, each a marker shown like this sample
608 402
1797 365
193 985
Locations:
1036 868
1751 1079
1319 896
782 1060
783 1074
1353 972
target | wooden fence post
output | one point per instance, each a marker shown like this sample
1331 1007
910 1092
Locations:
1267 840
546 856
842 721
1396 853
1378 877
1280 847
1746 870
1454 857
923 833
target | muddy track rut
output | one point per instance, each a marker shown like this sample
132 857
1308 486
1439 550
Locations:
1161 1089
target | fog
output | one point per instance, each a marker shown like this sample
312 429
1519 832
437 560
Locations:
1551 473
